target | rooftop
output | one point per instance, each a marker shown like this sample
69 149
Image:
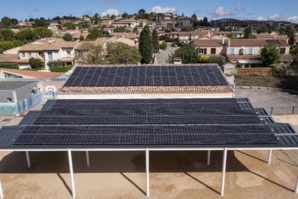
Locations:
13 85
33 74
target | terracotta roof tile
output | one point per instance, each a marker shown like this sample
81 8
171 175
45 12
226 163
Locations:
34 74
207 43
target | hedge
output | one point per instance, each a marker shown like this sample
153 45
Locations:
61 68
9 65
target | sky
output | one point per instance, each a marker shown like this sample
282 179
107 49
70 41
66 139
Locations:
213 9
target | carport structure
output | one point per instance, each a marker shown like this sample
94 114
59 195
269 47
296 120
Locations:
148 125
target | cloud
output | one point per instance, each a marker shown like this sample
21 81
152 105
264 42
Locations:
240 8
110 12
159 9
260 18
220 11
275 17
293 19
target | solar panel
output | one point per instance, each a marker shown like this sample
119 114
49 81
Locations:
147 76
146 135
224 103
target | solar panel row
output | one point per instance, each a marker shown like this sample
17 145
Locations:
145 135
147 76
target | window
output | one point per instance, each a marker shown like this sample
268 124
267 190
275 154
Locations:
282 50
241 52
29 54
251 51
213 51
9 100
40 54
233 51
203 51
50 55
68 52
23 54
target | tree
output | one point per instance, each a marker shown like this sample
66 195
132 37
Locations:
155 41
263 29
26 34
194 17
96 18
135 30
67 37
187 53
91 54
5 22
35 63
145 45
41 22
290 31
120 29
69 25
81 38
270 54
42 32
248 33
141 11
94 34
124 15
6 34
205 21
121 53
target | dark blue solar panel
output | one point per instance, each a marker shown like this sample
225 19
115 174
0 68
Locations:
147 76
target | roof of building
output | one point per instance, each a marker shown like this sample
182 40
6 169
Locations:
14 85
207 43
253 42
33 74
8 58
256 57
83 45
48 45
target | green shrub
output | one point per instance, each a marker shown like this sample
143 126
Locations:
216 59
61 68
55 63
163 46
9 65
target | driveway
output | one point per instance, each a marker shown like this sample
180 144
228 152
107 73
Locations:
162 56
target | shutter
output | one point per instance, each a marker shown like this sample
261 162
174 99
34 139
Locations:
252 51
232 51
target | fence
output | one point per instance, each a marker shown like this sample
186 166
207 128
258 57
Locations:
254 71
282 110
25 104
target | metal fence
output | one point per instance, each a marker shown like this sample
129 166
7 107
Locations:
282 110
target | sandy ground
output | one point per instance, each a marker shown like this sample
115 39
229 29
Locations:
172 174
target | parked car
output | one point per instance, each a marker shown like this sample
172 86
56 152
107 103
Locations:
174 45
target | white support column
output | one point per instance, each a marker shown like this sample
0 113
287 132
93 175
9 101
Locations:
87 158
147 173
269 156
28 159
71 174
224 163
208 157
1 191
296 189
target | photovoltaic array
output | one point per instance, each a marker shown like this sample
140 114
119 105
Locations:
146 135
146 76
147 122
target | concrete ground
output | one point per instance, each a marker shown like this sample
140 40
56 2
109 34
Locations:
162 56
172 174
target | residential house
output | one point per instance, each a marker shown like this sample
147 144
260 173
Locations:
125 23
6 73
184 22
51 50
248 50
241 50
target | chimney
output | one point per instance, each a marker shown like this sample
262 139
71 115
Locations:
229 42
223 41
287 40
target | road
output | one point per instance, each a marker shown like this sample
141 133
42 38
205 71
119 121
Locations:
162 56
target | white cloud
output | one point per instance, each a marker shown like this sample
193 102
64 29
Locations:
240 7
110 12
220 11
260 18
159 9
293 19
275 17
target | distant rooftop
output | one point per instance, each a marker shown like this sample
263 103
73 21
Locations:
13 85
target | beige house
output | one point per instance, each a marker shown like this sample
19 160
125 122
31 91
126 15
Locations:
50 50
241 50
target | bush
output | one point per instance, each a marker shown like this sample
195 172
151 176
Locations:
61 68
163 46
9 65
216 59
67 37
35 63
55 63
